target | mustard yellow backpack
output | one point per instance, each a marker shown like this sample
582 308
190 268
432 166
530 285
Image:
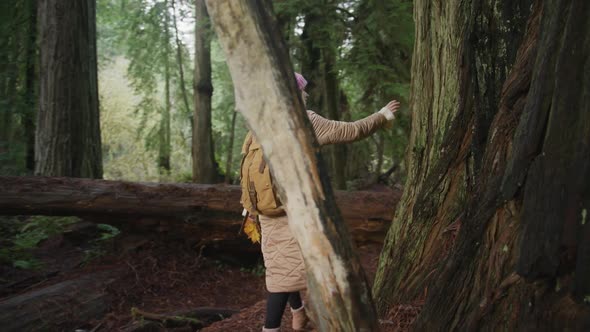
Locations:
258 193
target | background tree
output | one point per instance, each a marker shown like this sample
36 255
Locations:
315 31
376 68
147 33
164 130
68 132
18 86
356 57
490 164
204 165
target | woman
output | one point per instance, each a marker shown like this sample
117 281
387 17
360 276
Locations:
285 270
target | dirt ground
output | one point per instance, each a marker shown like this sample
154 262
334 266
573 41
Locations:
163 277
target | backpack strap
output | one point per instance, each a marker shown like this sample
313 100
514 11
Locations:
247 143
262 166
252 195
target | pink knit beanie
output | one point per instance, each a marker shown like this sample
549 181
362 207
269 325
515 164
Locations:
301 81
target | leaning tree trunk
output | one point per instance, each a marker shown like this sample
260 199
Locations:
500 153
265 89
68 132
204 166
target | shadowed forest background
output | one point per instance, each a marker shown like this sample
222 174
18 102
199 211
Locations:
120 148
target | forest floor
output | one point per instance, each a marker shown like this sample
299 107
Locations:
157 275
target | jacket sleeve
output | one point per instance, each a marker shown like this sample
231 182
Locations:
333 132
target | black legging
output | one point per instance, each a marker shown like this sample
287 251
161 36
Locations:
275 306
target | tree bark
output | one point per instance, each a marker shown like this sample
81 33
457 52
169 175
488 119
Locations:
204 165
69 196
179 61
68 132
250 38
63 306
492 223
30 86
164 147
332 98
311 62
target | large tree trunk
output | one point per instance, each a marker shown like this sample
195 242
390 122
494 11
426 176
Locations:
69 196
338 288
68 133
204 166
491 97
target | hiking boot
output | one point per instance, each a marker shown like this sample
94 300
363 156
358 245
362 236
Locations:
264 329
300 320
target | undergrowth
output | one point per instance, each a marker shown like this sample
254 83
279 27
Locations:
20 235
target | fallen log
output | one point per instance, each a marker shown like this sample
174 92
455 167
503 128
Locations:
87 197
167 320
210 211
59 307
195 318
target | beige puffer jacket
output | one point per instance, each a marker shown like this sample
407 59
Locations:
285 270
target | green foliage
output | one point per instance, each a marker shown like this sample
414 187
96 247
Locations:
108 233
98 246
135 30
258 270
30 264
39 228
123 150
28 236
372 42
376 66
21 237
223 106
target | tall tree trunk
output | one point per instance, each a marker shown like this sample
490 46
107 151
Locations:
164 134
68 128
250 38
10 107
493 167
323 88
10 50
310 65
179 61
230 148
30 86
380 145
204 166
331 99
